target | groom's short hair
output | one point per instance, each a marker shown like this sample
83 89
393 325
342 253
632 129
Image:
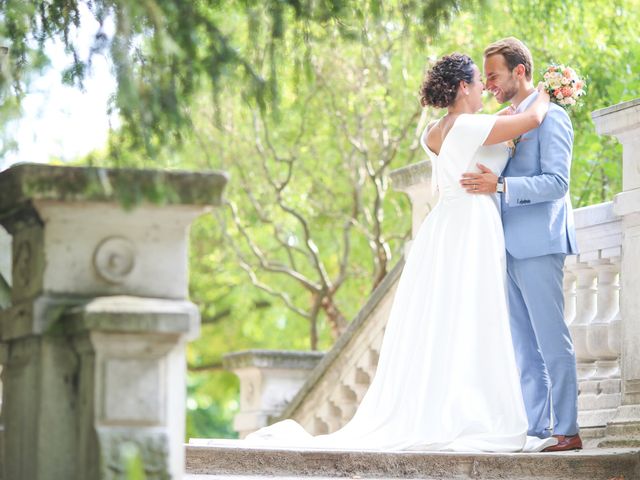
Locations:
514 52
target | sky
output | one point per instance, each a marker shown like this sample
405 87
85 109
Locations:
59 121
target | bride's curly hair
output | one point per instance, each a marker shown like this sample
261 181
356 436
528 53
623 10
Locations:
440 85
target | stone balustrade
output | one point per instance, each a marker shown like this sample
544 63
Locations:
623 122
92 344
592 311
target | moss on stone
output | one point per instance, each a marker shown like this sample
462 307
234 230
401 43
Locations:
128 187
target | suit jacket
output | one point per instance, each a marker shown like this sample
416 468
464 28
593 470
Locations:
536 210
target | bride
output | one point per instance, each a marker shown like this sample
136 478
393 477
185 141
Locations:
447 376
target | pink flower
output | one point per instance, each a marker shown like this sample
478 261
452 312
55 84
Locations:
567 92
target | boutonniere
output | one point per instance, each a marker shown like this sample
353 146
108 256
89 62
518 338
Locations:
512 144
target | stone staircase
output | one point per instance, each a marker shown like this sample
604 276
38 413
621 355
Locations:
235 463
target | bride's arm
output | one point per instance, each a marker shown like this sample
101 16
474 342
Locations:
506 111
508 127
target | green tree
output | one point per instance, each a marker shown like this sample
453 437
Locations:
164 50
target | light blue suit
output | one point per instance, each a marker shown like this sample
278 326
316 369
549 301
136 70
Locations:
539 233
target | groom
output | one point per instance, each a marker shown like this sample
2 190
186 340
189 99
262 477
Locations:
539 233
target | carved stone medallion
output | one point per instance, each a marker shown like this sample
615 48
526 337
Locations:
114 259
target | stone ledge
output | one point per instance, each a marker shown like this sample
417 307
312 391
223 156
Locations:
627 203
128 187
597 464
272 359
419 172
594 215
615 108
123 313
617 119
598 231
70 315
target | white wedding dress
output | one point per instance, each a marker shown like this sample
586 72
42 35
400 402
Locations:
447 376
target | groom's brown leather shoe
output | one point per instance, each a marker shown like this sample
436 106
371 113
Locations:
565 443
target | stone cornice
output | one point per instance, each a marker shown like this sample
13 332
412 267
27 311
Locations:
593 215
272 359
615 108
25 183
617 119
415 173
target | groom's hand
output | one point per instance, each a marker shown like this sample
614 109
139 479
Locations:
484 182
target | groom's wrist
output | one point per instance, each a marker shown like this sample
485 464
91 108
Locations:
501 186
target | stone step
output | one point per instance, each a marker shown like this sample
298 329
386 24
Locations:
227 461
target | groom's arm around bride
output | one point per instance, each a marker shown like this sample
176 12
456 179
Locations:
539 232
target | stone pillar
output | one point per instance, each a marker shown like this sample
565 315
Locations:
415 181
623 122
269 379
94 365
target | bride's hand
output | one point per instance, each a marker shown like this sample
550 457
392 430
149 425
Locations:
507 111
542 92
538 109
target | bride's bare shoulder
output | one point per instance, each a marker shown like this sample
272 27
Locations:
433 135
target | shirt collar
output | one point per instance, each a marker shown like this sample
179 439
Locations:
525 103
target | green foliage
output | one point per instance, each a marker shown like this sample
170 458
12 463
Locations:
132 461
212 403
164 50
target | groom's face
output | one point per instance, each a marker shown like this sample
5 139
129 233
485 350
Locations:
501 81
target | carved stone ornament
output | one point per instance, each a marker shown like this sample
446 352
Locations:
249 393
114 259
127 453
22 264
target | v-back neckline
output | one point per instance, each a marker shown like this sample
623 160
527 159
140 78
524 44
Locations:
426 146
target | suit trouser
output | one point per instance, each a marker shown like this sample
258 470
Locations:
543 346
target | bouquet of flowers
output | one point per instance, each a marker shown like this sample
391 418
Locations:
563 84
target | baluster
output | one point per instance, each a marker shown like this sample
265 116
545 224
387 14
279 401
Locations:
623 122
586 302
615 325
607 309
